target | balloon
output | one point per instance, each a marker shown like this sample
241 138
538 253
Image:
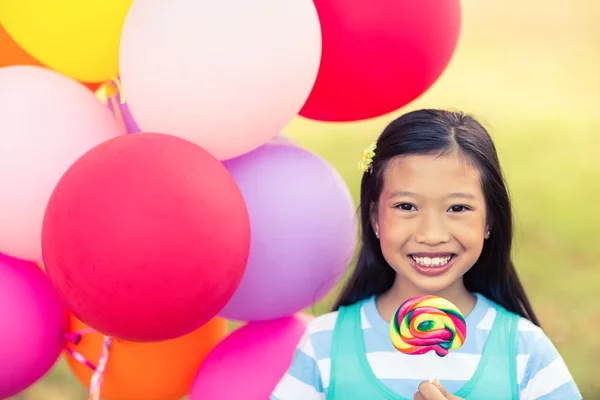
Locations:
32 324
303 231
377 59
146 237
249 363
226 86
146 371
78 38
46 122
12 54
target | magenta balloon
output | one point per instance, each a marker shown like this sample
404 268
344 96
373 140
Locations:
303 231
230 370
32 323
379 56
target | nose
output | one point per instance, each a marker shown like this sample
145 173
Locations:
431 230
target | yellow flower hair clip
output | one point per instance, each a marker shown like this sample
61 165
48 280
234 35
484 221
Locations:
366 158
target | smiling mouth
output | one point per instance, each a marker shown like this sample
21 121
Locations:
432 262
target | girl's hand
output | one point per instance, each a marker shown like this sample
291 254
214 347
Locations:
434 391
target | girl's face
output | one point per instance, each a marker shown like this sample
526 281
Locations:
431 220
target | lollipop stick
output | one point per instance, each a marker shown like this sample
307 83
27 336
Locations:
433 366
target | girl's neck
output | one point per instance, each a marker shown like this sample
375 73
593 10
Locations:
388 302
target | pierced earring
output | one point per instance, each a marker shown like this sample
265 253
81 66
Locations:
487 234
377 234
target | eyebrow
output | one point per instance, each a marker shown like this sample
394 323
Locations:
457 195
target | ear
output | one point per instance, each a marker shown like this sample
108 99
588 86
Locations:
487 232
373 218
489 224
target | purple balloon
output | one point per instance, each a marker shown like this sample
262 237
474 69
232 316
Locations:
303 231
32 324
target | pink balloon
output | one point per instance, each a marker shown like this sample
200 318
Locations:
32 323
249 363
228 87
47 121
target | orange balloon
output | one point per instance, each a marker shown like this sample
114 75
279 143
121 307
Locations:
146 371
92 86
12 54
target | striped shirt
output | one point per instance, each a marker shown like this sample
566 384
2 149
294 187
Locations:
541 371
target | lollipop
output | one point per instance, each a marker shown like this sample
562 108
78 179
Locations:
428 323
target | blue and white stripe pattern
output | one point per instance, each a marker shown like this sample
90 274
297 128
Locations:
541 371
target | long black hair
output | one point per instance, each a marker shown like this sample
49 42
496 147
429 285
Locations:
438 132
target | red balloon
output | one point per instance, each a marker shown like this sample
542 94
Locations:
379 55
146 237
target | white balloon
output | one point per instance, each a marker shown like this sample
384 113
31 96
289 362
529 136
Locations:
227 75
47 121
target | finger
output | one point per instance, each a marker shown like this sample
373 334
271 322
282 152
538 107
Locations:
419 396
443 390
430 392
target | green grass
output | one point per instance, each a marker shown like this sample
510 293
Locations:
528 70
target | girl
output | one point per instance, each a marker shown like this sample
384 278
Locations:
435 219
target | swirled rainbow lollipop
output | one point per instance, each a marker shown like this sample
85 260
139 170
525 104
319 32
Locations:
428 323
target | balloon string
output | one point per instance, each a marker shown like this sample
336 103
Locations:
79 357
117 82
118 114
97 378
75 338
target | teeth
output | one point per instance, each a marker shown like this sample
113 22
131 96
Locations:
432 262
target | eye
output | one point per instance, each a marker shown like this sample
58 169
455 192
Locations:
458 209
405 207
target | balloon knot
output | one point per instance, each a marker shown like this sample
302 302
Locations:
118 89
109 90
